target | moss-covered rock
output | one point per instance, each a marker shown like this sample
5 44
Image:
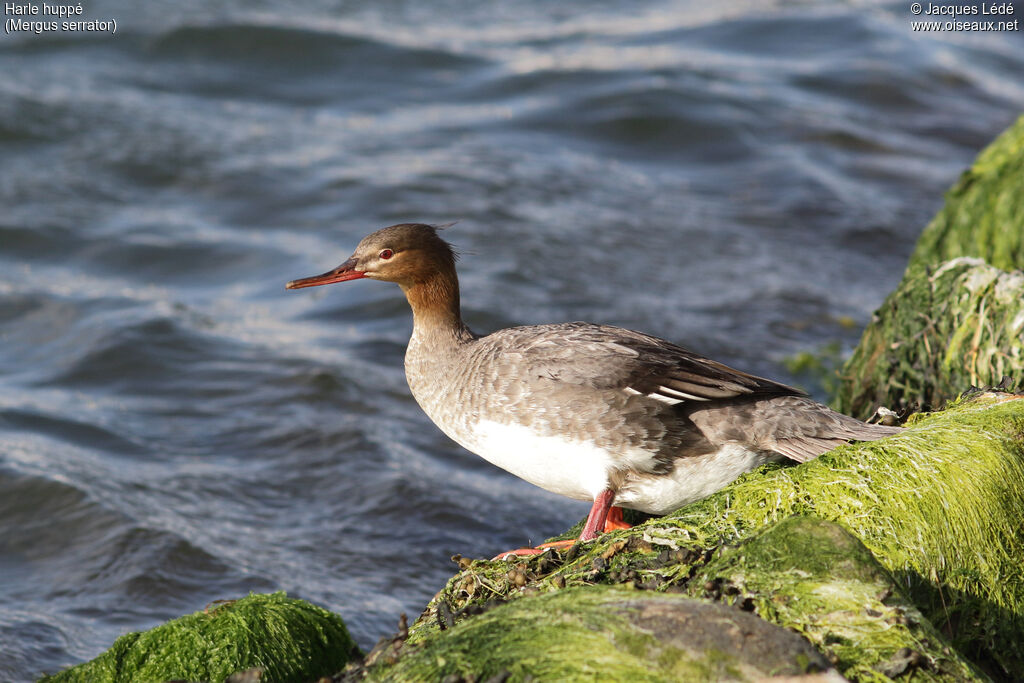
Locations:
983 215
609 633
941 507
940 332
291 640
817 578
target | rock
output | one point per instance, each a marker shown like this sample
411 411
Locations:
940 332
267 637
813 576
615 634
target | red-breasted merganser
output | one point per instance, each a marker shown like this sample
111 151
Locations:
592 412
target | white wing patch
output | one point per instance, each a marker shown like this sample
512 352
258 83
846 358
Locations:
682 395
667 395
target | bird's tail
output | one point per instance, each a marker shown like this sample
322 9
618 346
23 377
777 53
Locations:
832 430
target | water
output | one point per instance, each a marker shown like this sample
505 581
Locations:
176 428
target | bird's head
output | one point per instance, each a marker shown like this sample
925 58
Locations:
407 254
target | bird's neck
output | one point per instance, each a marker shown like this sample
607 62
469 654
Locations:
435 308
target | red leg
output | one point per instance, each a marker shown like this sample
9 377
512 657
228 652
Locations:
521 552
598 515
599 520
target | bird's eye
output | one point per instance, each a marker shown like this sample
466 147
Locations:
385 254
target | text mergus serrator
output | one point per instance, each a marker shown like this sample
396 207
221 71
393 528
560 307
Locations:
592 412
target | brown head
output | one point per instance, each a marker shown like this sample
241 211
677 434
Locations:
409 254
423 265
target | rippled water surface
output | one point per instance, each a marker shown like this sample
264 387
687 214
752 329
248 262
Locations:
176 428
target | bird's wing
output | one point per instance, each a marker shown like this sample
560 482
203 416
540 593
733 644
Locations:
606 357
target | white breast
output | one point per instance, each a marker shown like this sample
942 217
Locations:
575 469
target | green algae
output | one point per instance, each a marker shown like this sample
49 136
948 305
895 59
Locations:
291 640
937 334
609 633
817 578
983 215
941 507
